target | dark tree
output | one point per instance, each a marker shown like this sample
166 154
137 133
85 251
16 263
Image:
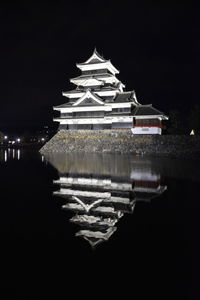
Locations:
194 119
176 125
26 136
1 137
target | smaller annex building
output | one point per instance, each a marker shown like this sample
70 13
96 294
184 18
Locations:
100 102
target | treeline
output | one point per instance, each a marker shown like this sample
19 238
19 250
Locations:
183 122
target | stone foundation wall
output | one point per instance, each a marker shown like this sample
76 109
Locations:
123 141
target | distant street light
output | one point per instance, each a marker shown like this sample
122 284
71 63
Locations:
18 140
43 139
5 137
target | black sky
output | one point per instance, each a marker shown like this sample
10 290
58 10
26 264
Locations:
154 45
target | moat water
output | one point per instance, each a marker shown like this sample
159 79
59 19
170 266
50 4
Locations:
119 222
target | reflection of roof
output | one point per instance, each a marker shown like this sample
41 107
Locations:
97 234
95 239
100 190
93 242
148 195
94 221
101 210
146 110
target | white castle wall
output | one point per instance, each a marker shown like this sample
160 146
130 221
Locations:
146 130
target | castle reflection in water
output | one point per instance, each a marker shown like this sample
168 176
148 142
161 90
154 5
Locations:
101 188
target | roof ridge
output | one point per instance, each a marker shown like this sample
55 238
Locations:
95 95
97 53
100 58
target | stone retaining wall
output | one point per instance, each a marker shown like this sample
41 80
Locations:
123 141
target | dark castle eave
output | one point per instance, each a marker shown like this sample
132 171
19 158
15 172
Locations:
81 90
93 76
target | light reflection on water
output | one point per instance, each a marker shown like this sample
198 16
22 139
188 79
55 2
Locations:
9 154
14 154
18 154
101 189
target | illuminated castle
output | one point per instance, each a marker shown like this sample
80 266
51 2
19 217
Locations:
100 102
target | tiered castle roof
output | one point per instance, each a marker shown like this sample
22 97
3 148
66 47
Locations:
97 62
99 77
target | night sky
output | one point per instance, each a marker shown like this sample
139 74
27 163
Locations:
155 46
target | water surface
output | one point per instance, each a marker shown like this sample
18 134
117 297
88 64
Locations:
134 219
